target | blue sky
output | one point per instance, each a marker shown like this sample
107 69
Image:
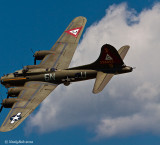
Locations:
38 24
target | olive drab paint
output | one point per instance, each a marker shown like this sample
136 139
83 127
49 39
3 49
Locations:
29 86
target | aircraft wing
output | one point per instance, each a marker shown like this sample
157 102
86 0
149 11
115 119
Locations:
65 46
28 99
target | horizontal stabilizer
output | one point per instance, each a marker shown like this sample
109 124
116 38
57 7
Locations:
123 51
102 80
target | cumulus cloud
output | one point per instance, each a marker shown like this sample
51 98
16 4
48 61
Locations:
130 103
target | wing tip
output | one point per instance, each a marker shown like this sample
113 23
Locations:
80 17
3 129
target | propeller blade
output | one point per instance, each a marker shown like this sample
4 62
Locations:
34 61
7 96
32 51
1 108
1 98
33 56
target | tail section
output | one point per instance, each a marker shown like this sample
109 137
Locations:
108 57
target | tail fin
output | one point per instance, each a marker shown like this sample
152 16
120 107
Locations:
109 57
102 79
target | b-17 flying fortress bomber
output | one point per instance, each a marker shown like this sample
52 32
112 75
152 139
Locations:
29 86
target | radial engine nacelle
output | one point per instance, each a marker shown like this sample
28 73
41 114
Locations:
8 103
39 55
14 92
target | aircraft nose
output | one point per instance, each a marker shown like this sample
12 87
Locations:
1 80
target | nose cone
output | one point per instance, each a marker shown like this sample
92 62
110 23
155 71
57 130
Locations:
2 80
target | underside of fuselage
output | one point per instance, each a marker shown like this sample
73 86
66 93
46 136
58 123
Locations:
56 77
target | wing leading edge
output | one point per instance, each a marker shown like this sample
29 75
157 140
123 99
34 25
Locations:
64 48
28 99
35 92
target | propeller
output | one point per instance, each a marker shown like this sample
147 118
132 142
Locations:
1 104
1 107
34 60
32 51
7 96
1 98
33 56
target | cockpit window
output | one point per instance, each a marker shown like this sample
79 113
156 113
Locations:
16 74
25 69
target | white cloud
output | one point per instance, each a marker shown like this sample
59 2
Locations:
131 102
